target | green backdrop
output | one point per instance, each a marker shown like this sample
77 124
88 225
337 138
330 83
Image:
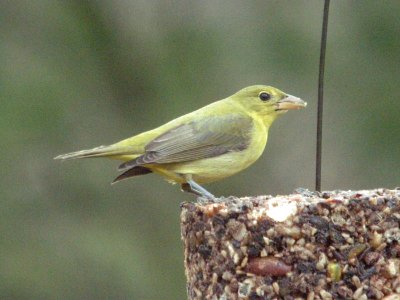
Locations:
78 74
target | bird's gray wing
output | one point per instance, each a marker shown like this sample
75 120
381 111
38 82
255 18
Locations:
204 138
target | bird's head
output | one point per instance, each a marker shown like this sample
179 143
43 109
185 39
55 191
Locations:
266 101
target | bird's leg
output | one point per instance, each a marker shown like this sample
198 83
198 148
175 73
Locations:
185 187
191 186
197 188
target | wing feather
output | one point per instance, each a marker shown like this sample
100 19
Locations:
199 139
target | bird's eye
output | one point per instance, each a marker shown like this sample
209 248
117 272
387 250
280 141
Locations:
264 96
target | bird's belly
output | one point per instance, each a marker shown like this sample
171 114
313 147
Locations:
213 169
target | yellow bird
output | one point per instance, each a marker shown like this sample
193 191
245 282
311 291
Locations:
206 145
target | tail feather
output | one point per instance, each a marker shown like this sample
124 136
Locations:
101 151
135 171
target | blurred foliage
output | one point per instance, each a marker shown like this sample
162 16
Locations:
77 74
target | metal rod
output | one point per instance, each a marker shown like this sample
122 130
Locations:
321 95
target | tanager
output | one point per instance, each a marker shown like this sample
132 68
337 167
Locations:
206 145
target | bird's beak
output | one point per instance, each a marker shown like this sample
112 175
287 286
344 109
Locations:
290 102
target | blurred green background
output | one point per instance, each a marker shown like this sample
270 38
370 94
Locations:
78 74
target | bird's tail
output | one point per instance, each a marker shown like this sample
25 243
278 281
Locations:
101 151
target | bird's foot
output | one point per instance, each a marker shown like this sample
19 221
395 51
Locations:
192 187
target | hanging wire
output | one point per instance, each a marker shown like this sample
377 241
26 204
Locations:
321 96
